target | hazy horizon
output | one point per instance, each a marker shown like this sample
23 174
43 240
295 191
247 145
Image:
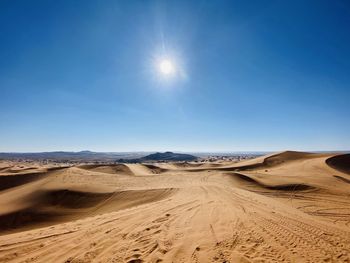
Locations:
193 76
184 151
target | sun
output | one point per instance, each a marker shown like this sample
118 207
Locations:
166 67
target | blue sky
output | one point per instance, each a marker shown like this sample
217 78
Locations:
250 75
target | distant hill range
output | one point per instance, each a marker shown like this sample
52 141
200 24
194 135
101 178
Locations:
157 157
82 156
88 156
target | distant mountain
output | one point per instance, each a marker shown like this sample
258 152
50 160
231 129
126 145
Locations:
166 156
169 156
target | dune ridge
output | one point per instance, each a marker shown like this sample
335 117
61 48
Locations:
9 181
281 187
340 163
112 169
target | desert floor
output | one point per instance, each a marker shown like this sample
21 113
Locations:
286 207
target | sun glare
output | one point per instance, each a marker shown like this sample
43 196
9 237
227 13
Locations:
166 67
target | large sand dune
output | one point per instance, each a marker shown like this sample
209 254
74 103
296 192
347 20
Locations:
285 207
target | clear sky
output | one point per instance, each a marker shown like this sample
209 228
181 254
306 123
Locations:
245 75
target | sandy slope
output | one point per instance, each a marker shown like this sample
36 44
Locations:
287 207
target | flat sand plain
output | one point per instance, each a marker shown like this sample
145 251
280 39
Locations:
285 207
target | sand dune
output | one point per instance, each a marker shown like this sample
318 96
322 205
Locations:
262 162
62 205
8 181
340 163
14 177
146 169
282 187
285 207
112 169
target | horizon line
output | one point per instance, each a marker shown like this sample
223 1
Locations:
189 151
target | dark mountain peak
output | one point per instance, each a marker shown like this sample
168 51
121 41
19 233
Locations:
168 156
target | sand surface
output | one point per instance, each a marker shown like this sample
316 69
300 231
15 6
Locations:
286 207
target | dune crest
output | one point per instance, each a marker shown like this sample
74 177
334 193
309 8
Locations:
112 169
